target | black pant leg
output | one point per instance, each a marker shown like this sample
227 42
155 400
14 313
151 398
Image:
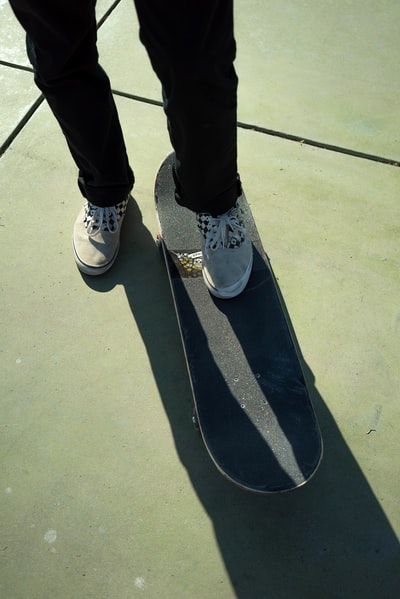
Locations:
61 41
192 49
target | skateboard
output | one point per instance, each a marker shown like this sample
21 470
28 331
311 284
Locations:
251 403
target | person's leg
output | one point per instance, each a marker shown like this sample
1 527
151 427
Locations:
192 48
61 44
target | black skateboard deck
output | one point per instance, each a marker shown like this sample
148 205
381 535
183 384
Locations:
250 398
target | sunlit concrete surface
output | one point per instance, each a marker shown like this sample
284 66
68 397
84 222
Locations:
106 490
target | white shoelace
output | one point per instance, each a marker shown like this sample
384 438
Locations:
224 231
98 217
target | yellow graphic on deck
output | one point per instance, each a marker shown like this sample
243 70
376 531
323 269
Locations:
190 263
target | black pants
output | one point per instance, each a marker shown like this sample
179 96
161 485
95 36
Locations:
191 48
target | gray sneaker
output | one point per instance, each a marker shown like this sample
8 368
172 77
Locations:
96 237
227 252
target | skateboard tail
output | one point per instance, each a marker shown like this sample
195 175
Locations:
259 458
